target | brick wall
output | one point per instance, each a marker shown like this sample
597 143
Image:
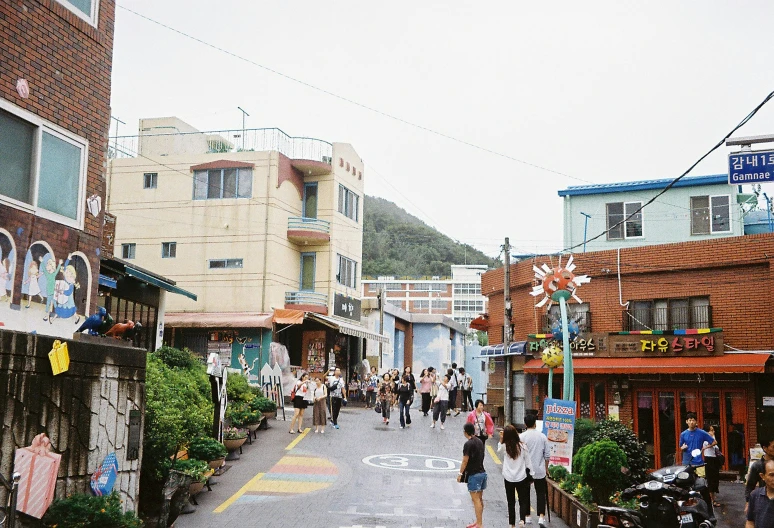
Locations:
67 64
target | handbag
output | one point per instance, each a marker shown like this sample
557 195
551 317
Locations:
378 407
529 475
720 457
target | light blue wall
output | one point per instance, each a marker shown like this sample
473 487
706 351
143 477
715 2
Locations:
432 346
473 367
667 220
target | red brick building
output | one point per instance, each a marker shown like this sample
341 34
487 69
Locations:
55 69
688 327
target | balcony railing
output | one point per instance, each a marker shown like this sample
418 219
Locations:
221 141
672 318
308 224
306 298
582 318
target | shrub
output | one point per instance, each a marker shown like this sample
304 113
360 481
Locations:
601 469
86 511
238 389
204 448
583 493
557 473
232 433
570 482
240 414
577 461
584 430
256 390
196 469
265 405
176 358
624 437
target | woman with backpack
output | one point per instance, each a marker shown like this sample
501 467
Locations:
405 396
517 467
298 396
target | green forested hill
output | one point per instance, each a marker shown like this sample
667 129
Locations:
397 243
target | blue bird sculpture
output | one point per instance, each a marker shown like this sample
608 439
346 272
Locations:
93 322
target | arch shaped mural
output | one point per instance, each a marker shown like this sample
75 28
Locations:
39 270
7 266
82 294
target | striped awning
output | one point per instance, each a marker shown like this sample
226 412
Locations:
348 328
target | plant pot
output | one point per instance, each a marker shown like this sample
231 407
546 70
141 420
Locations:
195 487
234 444
253 427
215 464
269 414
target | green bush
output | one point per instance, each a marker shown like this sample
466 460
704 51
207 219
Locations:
238 389
176 358
557 473
240 414
577 461
582 436
192 467
636 456
256 390
570 482
601 469
583 493
86 511
204 448
265 405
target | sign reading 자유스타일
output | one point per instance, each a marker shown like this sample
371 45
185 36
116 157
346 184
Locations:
751 167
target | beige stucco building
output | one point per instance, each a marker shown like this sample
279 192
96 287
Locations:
251 221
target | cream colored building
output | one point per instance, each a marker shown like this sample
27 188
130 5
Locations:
248 220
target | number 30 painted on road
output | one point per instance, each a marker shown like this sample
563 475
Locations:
412 462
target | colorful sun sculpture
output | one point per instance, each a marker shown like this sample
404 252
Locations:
559 284
553 356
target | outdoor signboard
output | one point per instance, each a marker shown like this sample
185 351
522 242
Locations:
347 307
751 167
559 428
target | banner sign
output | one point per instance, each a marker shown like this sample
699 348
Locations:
559 428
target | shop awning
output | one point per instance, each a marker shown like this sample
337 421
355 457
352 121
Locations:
725 364
347 328
283 316
514 349
157 281
480 323
217 320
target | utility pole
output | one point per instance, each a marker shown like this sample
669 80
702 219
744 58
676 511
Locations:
243 125
380 296
507 331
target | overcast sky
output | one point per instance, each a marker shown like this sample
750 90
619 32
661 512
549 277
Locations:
600 91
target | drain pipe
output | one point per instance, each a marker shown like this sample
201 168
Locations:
620 296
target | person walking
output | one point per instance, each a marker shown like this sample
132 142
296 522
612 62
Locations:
482 422
425 386
329 379
405 399
517 466
407 371
473 465
372 383
338 391
385 397
539 453
453 390
466 386
761 507
712 465
300 403
319 397
441 401
754 478
693 439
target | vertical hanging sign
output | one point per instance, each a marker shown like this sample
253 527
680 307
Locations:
559 428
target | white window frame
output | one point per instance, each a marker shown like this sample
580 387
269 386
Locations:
341 279
439 303
168 250
709 198
60 133
129 251
623 226
421 304
91 19
222 177
152 178
228 263
467 305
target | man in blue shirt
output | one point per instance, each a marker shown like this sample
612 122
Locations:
692 439
760 514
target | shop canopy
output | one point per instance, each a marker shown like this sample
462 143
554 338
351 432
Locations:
282 316
752 363
348 328
480 323
514 349
217 320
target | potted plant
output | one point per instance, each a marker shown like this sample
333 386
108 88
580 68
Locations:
209 449
198 470
266 406
233 438
81 509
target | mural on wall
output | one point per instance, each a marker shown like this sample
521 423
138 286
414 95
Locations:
432 347
55 291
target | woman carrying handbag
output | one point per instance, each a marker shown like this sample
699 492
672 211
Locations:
517 467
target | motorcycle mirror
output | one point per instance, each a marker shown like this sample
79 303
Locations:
696 452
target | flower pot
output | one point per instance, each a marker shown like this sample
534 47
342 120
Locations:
234 444
215 464
253 427
195 487
269 414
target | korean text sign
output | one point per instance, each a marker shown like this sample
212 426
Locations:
559 428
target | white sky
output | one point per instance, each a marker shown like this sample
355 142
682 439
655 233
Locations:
602 91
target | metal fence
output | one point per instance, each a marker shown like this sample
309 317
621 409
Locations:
309 224
671 318
306 297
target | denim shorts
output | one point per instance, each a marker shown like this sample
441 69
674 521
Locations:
477 482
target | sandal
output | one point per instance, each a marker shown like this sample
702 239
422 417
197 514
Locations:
292 432
300 431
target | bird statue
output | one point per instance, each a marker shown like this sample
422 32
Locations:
133 333
93 322
118 330
106 325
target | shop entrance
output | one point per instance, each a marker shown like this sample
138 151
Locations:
660 418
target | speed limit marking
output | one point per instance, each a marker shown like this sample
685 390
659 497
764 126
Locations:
413 462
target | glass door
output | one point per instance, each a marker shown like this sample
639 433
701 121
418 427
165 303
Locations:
307 271
645 424
736 425
667 423
310 200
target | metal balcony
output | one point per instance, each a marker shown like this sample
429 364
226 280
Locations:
673 318
308 231
308 301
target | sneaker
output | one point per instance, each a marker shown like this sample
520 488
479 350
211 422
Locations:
442 427
432 426
402 427
528 520
542 521
335 426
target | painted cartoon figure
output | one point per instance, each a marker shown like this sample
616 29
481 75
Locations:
50 271
65 305
5 277
33 275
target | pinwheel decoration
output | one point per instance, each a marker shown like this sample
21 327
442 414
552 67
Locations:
560 284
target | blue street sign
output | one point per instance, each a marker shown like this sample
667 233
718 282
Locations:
751 167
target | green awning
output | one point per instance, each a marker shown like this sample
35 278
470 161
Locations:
150 279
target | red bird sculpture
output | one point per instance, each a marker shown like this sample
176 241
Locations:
118 330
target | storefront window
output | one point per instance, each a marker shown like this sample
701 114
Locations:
645 432
666 425
584 399
600 402
736 423
687 405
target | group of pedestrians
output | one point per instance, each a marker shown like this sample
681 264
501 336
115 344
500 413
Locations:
326 399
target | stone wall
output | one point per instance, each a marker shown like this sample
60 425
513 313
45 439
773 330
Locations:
84 411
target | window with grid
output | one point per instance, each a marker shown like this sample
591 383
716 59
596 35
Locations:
168 249
468 306
347 272
348 203
43 167
216 184
128 251
578 312
421 305
395 302
439 304
150 180
225 263
670 314
710 214
470 288
617 228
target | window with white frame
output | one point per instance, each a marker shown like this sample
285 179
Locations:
168 249
348 203
128 251
347 272
422 304
216 184
43 167
710 214
469 288
617 228
85 9
439 304
150 180
225 263
468 306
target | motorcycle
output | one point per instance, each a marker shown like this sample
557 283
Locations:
674 497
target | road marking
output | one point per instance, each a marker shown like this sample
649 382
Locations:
494 455
300 437
413 462
228 502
